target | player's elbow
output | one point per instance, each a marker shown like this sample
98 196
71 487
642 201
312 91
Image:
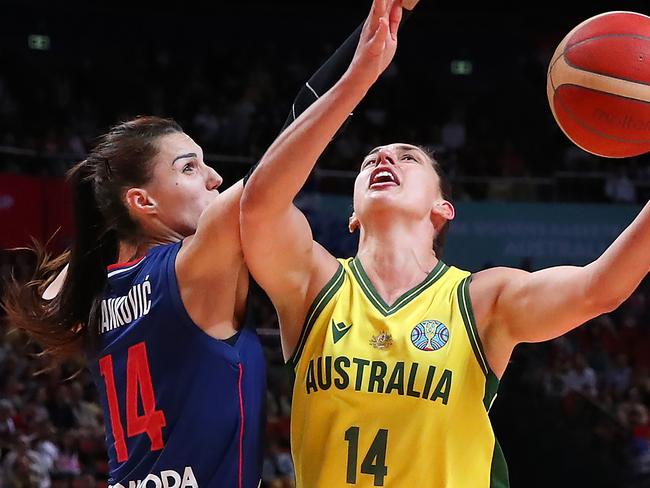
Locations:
609 303
604 300
261 204
252 203
604 294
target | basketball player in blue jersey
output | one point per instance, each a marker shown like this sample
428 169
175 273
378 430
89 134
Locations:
397 356
154 296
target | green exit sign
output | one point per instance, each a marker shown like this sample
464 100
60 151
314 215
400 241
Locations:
461 67
38 42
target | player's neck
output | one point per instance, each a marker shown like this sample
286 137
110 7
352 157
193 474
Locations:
128 251
396 258
154 233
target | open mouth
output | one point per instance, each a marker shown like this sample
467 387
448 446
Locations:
383 177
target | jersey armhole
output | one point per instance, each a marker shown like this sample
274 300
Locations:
315 309
467 313
175 293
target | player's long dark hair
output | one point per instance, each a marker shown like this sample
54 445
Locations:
66 325
445 191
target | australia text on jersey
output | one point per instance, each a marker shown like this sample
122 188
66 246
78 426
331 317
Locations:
378 377
121 310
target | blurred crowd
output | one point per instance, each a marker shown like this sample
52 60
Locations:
491 127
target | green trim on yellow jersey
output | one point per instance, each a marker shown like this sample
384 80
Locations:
366 285
499 477
499 468
317 306
467 313
491 387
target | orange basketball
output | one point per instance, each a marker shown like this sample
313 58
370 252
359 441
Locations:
598 84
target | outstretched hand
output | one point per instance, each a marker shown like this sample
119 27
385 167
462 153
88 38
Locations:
378 41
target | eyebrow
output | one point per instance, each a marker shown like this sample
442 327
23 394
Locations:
401 147
182 156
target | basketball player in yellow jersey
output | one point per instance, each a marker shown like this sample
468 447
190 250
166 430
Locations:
397 356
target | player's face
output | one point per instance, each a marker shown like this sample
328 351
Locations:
397 177
182 185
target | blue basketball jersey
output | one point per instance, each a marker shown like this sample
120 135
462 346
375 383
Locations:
181 408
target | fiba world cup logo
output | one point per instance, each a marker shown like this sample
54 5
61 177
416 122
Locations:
430 335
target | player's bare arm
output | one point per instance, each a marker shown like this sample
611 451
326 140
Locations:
212 259
513 306
276 238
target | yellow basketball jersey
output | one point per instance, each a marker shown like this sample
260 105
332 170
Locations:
393 395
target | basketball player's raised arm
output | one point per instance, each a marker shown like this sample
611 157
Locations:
276 237
534 307
213 241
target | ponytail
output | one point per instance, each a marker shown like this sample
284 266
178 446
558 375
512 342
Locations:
68 324
65 325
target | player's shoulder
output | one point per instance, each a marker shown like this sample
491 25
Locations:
449 272
498 274
485 288
488 283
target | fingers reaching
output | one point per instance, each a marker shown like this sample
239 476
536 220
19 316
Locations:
378 40
395 17
378 10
